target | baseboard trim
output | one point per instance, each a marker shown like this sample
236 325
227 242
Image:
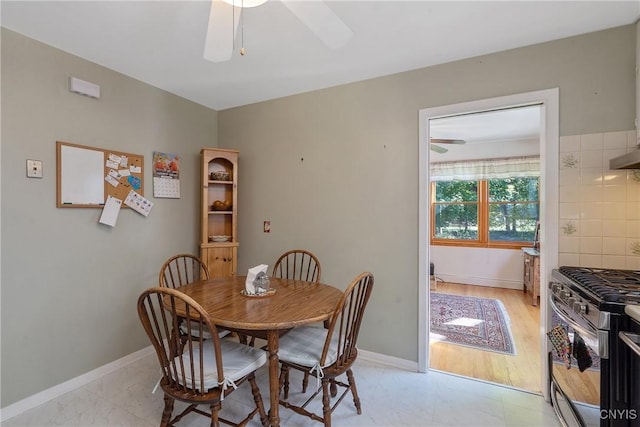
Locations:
383 359
481 281
44 396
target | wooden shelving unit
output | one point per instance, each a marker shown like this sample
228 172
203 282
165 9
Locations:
219 225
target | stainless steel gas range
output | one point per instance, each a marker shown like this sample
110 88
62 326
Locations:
590 368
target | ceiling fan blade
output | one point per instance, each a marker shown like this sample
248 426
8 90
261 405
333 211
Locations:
438 149
322 21
448 141
223 24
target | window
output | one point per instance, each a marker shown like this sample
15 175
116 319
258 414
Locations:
499 212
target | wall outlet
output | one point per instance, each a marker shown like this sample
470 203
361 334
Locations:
266 226
34 168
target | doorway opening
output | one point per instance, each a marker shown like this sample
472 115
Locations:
436 125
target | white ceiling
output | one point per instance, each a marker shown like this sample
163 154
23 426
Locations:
509 132
520 123
161 42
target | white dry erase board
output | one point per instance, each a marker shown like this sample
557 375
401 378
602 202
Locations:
85 176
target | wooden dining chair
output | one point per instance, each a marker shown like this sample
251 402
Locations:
327 353
182 269
195 370
297 264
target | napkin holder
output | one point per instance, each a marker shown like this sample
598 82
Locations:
257 282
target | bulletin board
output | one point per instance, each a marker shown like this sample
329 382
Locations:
85 176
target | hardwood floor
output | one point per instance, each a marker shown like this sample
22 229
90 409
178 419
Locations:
522 370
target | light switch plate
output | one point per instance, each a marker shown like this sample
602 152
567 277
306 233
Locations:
34 168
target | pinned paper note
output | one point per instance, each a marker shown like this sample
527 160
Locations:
111 180
138 203
114 158
115 174
111 164
110 211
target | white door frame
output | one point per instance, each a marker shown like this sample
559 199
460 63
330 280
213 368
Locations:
549 166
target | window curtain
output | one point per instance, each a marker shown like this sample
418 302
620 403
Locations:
486 169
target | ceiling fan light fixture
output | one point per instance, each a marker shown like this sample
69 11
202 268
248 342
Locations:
245 3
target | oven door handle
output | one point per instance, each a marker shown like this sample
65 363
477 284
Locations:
631 340
578 327
555 405
601 337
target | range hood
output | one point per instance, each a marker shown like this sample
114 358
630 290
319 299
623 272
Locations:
626 161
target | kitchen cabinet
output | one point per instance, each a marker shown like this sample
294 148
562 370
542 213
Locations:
219 210
531 275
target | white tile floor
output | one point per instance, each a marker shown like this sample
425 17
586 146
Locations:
389 396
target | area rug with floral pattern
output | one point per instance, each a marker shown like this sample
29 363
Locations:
481 323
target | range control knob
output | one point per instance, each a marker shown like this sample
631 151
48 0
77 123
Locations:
564 293
580 307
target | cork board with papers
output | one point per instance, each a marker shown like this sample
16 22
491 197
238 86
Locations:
86 176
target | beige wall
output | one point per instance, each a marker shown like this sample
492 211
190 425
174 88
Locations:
69 284
353 200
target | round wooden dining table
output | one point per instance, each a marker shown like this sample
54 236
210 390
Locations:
293 303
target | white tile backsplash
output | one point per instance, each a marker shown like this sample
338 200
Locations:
591 210
632 140
599 209
591 193
633 247
614 193
614 245
633 213
615 140
570 177
569 244
568 258
614 261
632 229
591 228
589 260
567 193
593 141
615 228
591 159
633 263
571 143
614 210
569 210
591 245
633 193
591 176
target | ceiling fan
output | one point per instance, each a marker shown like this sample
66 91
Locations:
442 150
224 17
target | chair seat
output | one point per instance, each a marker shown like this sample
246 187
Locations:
303 346
206 334
238 360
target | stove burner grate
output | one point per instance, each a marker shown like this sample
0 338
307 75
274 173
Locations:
609 285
